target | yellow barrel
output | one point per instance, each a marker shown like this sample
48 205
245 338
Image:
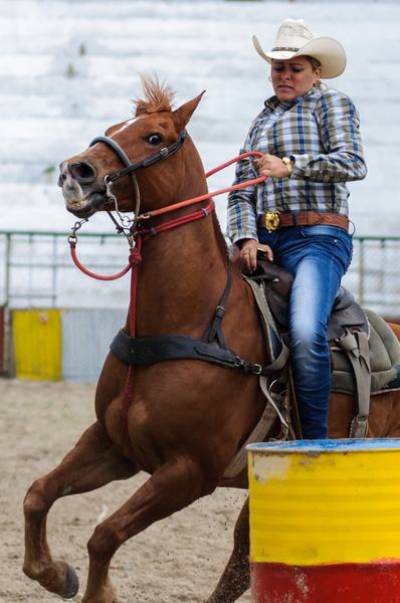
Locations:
37 344
325 521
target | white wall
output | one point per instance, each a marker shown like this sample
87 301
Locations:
46 116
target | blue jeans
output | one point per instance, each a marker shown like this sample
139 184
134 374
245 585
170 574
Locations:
318 257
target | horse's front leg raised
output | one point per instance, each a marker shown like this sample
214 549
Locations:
172 487
92 463
236 577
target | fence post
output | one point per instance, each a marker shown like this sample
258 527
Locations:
54 272
7 311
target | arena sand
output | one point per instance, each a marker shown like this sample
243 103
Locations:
177 559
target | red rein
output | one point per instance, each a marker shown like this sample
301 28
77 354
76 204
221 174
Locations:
99 277
142 233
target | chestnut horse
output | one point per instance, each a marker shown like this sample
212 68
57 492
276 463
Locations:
181 421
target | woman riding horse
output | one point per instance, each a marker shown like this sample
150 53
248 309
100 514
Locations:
310 138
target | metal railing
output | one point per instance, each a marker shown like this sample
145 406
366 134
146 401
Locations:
374 274
36 270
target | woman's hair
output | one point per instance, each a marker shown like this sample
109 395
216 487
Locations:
314 62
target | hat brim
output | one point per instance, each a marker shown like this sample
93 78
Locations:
328 51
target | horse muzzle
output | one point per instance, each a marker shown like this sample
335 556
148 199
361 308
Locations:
88 206
83 196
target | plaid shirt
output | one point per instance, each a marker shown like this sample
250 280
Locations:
320 133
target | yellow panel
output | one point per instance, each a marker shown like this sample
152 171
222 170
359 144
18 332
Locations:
37 343
337 507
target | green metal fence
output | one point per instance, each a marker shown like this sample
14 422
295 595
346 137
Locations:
374 274
36 270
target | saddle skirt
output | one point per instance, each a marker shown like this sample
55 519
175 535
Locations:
384 351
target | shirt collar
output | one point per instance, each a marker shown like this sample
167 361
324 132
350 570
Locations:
273 102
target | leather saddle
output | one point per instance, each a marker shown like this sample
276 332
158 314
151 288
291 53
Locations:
346 312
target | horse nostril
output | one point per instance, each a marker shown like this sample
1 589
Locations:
61 179
83 172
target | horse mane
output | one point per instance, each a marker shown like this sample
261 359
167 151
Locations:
158 96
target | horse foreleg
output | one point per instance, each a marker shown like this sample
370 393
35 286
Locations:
236 577
92 463
172 487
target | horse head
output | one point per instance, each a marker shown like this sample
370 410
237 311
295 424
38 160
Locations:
155 145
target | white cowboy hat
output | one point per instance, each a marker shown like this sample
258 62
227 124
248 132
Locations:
294 39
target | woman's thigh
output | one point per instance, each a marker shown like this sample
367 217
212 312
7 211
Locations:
315 285
318 263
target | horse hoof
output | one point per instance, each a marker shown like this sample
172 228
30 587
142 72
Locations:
71 583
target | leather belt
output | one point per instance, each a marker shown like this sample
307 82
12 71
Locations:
273 220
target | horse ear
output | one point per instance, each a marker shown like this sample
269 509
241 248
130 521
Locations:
182 115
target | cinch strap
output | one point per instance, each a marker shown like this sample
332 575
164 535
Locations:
145 351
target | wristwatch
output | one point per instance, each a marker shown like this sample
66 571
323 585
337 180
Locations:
288 162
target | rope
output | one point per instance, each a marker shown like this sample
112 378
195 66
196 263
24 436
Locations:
99 277
228 189
170 208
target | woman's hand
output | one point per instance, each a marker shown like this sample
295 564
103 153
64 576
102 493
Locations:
270 165
248 254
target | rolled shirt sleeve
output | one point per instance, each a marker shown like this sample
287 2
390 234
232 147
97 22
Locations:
242 221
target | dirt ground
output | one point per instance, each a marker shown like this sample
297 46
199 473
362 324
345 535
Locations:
177 559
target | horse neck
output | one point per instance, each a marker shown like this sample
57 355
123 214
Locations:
183 271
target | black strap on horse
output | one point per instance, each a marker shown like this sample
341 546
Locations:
214 331
146 162
144 351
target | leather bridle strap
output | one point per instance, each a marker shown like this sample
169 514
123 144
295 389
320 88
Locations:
130 167
110 142
123 157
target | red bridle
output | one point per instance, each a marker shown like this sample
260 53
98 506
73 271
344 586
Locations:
139 232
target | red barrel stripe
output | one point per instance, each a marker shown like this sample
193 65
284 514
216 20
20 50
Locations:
342 583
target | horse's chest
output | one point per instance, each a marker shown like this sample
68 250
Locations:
128 424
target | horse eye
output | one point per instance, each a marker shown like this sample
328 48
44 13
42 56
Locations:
154 139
